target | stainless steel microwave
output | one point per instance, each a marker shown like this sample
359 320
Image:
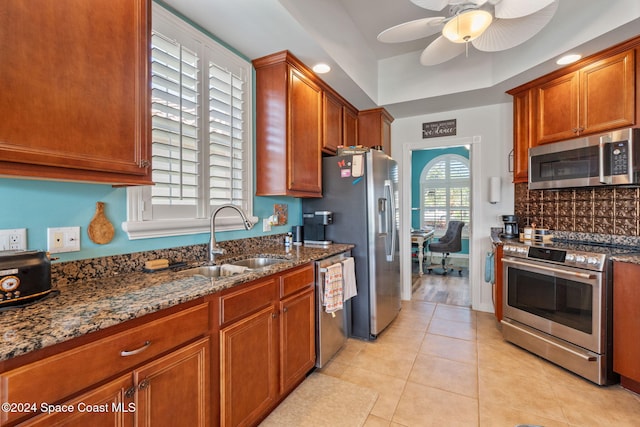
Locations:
612 158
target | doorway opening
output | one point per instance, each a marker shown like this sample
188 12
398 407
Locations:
453 200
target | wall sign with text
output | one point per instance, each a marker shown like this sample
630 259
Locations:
441 128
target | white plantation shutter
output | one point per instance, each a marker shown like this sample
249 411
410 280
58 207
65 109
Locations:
175 148
201 130
226 136
446 192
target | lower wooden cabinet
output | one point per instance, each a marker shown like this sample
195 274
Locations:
498 290
269 350
626 324
150 373
170 391
249 363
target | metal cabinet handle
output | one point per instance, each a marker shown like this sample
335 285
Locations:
131 391
143 384
274 315
125 353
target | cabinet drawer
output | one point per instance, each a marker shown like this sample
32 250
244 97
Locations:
64 374
239 303
293 281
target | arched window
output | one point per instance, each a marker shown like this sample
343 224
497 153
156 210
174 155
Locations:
445 188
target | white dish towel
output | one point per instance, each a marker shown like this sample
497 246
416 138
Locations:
349 278
333 288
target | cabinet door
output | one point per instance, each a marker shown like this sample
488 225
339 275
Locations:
248 368
349 127
498 291
607 90
626 322
332 123
74 96
109 405
557 109
304 136
522 135
297 329
174 390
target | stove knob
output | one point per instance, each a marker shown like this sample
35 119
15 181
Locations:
581 259
523 251
570 257
593 261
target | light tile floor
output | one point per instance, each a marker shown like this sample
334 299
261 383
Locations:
442 365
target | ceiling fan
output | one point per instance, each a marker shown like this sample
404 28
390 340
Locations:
489 25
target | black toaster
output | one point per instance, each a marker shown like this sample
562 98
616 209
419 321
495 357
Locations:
25 276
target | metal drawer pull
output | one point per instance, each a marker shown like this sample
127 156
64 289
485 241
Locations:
125 353
553 270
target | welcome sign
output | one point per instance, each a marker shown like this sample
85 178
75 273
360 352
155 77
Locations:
440 128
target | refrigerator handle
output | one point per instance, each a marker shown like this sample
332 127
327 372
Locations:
390 215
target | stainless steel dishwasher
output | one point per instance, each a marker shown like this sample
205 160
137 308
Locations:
331 332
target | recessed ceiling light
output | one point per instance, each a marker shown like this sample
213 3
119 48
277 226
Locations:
321 68
568 59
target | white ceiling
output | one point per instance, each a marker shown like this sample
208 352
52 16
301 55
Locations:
369 73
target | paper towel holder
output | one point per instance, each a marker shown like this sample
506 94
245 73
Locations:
494 189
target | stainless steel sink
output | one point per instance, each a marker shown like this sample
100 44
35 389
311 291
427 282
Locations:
205 270
258 262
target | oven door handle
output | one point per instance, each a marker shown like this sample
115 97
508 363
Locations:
586 357
587 276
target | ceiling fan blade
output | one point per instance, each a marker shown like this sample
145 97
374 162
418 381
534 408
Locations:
504 34
441 4
511 9
431 4
441 50
412 30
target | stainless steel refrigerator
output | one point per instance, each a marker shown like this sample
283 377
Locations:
362 192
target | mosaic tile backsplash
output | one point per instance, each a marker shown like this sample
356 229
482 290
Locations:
602 210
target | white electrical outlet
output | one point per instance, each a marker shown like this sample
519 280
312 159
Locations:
63 239
266 224
13 239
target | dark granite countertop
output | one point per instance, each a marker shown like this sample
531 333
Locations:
91 305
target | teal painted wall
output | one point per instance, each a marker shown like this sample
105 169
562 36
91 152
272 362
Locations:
419 159
37 205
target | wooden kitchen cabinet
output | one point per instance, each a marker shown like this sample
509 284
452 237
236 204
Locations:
74 92
626 324
173 390
339 123
288 128
169 354
267 343
374 129
498 290
522 135
596 98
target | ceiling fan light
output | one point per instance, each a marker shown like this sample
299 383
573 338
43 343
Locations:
467 25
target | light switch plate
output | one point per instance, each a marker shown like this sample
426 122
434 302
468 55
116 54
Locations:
63 239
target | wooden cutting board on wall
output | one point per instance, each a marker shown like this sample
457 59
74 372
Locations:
100 229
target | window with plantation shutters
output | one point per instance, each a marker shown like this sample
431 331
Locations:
201 129
446 192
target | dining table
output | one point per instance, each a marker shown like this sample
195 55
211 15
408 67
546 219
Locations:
422 239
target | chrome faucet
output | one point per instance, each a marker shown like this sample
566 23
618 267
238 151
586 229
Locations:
214 249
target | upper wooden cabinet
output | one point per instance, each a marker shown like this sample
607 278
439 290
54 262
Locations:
289 128
374 129
596 98
522 134
74 91
339 123
595 95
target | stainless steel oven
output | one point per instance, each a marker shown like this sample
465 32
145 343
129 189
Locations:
557 304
